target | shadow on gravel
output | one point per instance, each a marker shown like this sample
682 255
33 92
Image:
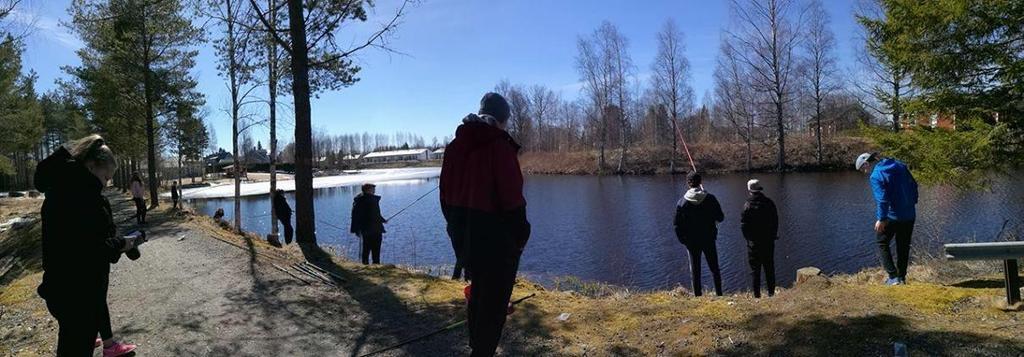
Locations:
860 336
393 321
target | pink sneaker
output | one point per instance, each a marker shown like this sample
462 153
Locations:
99 342
118 349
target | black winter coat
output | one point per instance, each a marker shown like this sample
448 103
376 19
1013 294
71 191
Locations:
366 218
698 223
80 240
281 208
760 219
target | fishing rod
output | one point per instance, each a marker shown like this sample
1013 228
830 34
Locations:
413 203
436 332
679 135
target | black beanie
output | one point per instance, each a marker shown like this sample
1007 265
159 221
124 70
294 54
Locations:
494 104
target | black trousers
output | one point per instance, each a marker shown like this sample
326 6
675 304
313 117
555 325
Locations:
710 252
901 233
371 246
286 222
761 256
78 322
175 201
140 210
457 272
493 264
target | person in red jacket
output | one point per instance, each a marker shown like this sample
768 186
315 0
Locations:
483 204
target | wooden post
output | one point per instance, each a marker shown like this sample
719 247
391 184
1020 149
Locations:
1012 282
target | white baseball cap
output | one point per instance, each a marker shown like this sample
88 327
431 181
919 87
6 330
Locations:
754 185
863 159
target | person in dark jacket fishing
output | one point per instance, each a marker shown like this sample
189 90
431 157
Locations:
760 226
79 241
697 216
895 192
482 201
283 212
367 223
175 194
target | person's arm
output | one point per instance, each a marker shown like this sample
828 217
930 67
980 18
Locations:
678 223
357 217
746 220
508 179
773 219
882 202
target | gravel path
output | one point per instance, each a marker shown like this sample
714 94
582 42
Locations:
191 294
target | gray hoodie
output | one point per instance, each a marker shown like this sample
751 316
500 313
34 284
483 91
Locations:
695 195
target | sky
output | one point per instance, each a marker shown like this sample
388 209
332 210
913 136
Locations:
452 51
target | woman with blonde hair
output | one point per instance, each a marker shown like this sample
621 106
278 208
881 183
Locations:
80 241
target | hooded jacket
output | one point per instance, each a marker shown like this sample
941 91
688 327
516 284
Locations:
366 218
760 219
80 240
697 215
481 187
895 191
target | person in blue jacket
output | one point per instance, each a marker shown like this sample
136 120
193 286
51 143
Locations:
895 192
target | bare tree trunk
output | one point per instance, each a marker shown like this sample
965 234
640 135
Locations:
305 220
272 99
233 78
151 162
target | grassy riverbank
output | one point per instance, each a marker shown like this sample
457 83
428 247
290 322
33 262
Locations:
716 157
948 309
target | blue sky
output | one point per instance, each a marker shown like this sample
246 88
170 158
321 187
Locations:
454 51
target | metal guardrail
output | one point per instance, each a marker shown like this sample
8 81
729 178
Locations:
984 251
1008 252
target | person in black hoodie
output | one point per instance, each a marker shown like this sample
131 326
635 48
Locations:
283 212
367 223
80 241
760 226
697 216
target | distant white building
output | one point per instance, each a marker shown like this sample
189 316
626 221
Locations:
437 154
397 156
350 157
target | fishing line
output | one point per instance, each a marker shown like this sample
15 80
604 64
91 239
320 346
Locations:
413 203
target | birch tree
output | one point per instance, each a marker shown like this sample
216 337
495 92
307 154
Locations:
766 38
669 83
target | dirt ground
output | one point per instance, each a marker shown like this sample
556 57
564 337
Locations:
200 289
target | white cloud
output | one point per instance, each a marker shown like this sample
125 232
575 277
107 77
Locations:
47 28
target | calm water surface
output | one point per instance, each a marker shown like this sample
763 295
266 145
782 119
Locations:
619 229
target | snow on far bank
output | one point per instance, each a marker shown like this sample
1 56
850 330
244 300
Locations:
376 176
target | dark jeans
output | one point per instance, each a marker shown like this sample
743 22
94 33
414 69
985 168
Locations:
901 233
371 246
710 253
493 263
106 331
761 256
286 222
140 210
77 325
175 200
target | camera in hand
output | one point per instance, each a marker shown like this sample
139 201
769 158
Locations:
139 237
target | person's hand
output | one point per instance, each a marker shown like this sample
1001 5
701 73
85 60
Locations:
385 221
880 226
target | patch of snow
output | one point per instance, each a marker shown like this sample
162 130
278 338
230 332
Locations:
376 176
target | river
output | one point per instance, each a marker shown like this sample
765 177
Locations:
618 229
